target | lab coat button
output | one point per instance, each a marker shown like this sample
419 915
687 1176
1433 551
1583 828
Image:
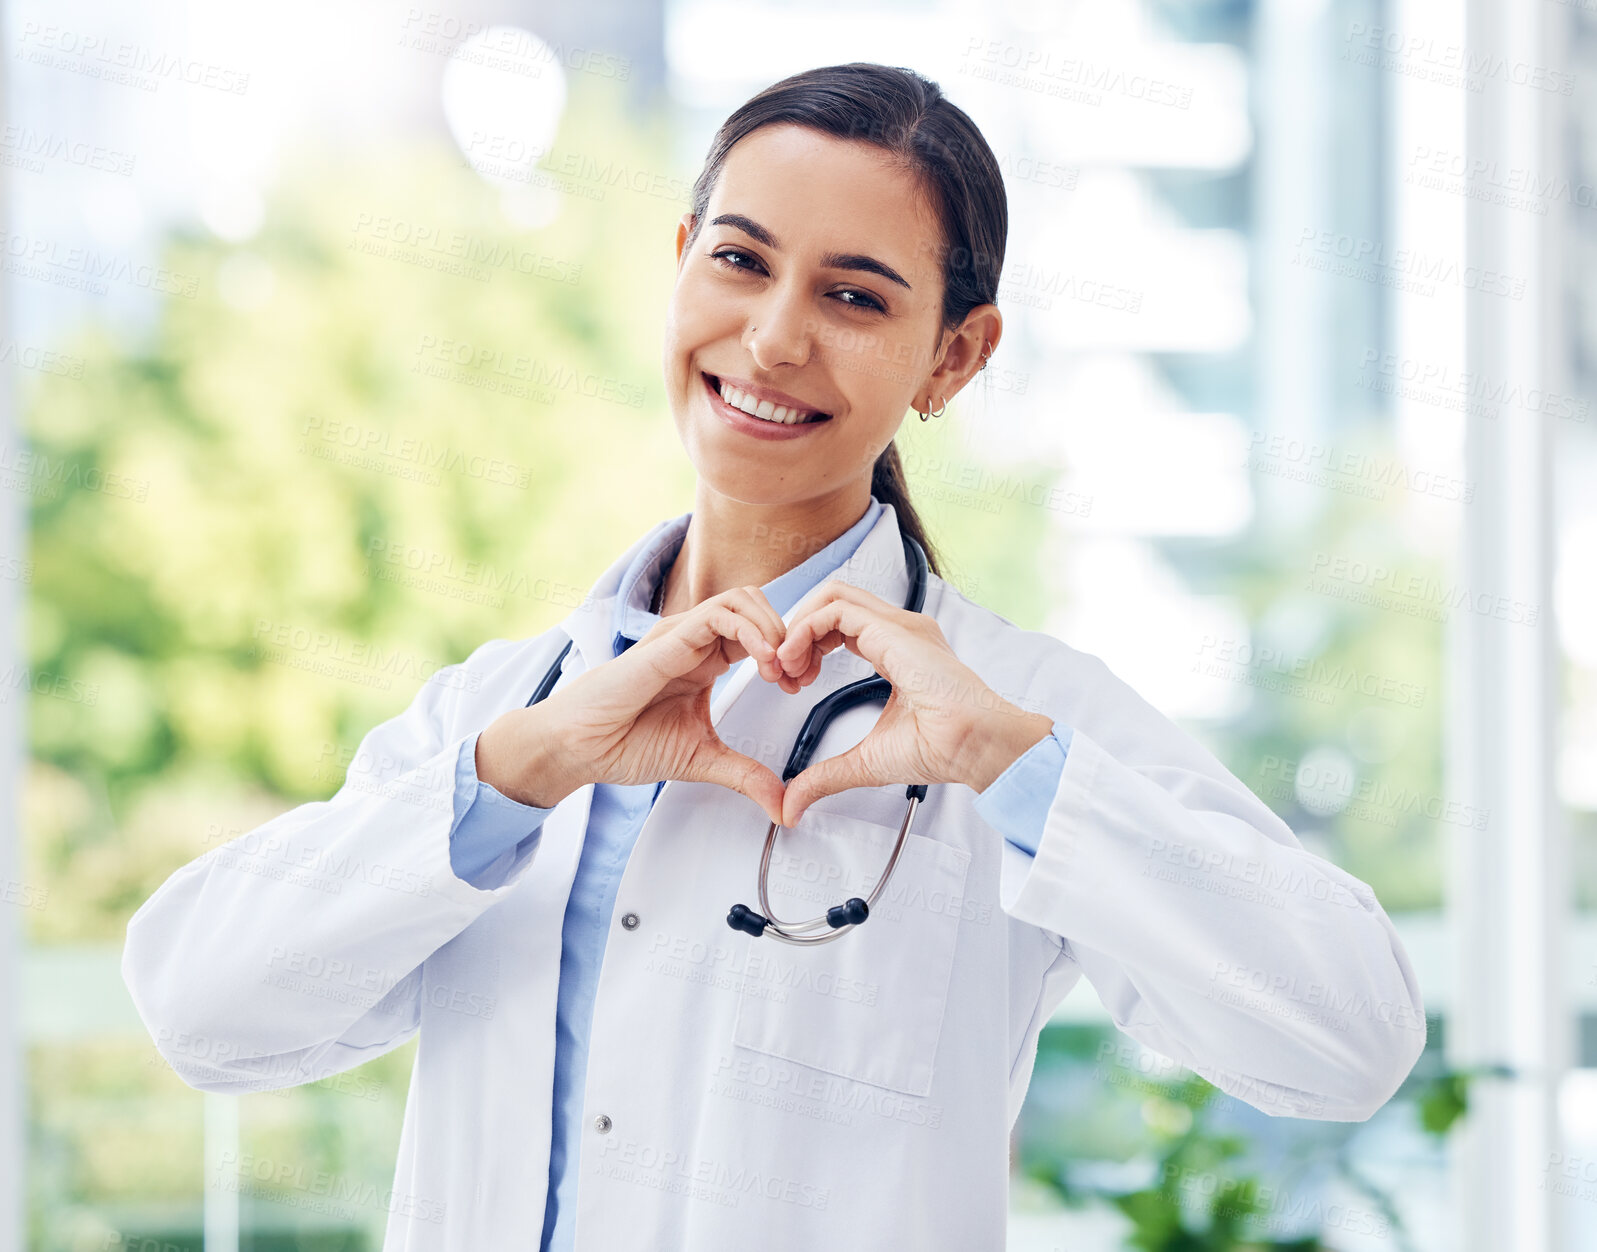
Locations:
602 1124
629 920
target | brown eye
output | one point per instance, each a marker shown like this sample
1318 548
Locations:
722 256
872 302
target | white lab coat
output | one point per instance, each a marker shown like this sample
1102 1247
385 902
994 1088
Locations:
742 1092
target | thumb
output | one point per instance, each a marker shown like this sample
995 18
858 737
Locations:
823 778
725 768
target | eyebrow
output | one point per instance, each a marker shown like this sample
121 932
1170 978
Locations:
831 260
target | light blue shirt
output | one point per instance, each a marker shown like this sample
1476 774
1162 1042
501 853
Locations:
488 824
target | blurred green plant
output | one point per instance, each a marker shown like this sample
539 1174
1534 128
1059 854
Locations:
1185 1185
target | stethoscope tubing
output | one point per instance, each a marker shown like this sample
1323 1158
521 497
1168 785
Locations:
820 929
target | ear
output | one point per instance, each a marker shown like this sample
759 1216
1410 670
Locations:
684 226
969 348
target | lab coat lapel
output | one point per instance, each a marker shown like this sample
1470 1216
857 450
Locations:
591 625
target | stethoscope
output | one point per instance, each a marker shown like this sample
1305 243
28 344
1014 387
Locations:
840 918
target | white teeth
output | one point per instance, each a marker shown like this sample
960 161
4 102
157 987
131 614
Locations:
763 409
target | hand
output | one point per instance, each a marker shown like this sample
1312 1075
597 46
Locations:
941 724
645 715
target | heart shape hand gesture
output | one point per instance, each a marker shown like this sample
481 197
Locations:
645 715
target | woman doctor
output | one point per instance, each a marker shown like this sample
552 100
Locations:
542 893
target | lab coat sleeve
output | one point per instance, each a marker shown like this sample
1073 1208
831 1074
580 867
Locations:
294 951
1209 932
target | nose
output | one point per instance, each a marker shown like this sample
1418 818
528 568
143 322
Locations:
781 329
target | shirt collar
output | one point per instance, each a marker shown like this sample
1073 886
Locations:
877 566
632 618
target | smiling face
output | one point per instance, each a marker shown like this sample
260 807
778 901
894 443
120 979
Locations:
813 285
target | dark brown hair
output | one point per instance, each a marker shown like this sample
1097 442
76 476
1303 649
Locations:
904 114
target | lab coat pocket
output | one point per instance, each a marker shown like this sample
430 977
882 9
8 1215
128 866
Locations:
868 1005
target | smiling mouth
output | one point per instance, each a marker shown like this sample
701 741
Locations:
761 410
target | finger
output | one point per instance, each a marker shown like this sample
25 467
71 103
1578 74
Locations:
752 601
806 625
812 671
752 604
830 642
835 588
838 773
751 643
787 682
863 630
730 616
799 640
716 763
793 682
700 632
741 632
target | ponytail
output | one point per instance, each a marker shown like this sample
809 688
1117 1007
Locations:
888 486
